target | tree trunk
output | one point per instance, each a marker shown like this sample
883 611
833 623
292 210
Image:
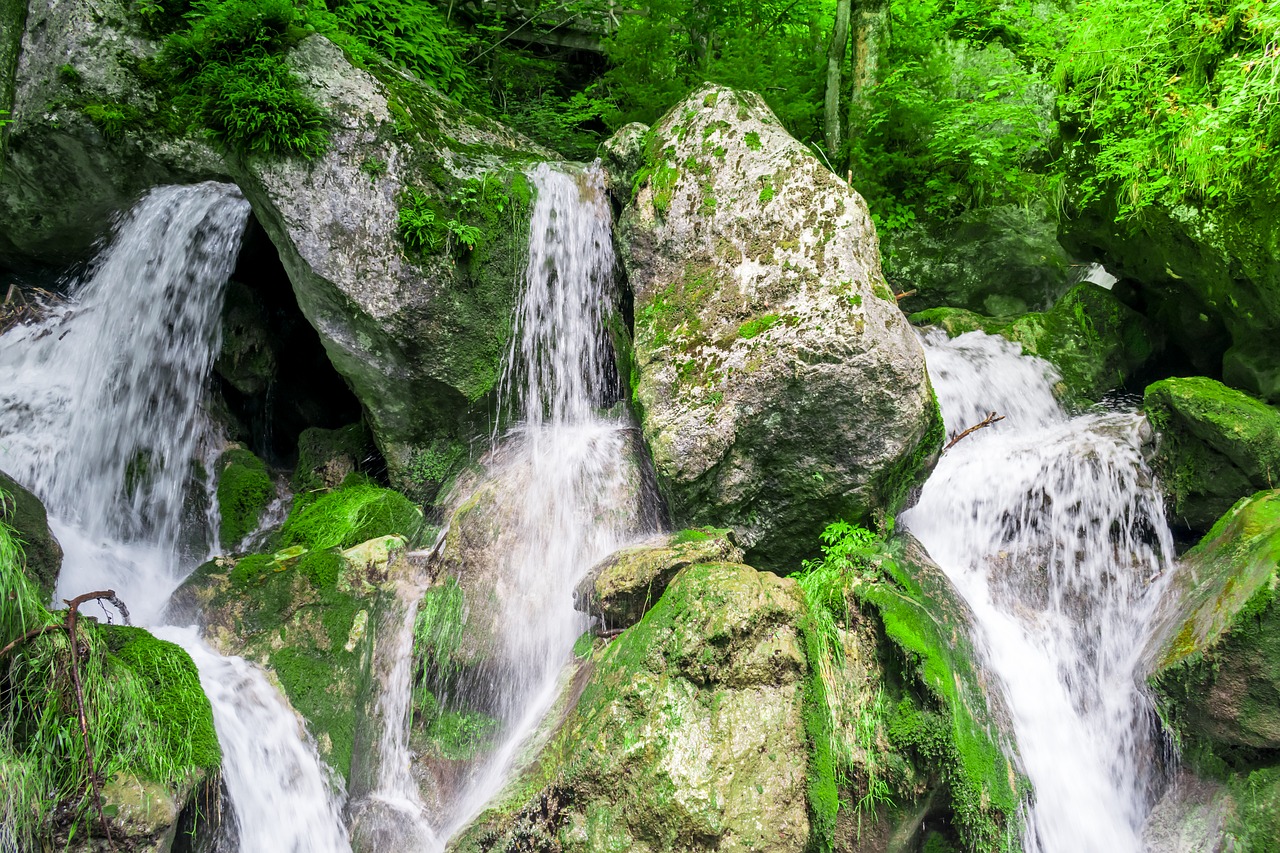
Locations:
870 40
835 60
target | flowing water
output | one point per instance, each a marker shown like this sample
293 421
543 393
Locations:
100 415
1053 530
563 484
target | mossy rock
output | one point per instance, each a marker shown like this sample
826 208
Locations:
1218 672
1215 445
25 514
950 722
689 726
244 492
326 457
1097 343
354 513
626 584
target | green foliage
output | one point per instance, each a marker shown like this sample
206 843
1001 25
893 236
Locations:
227 67
669 47
374 167
459 735
413 36
147 714
350 515
465 223
111 119
438 631
1176 100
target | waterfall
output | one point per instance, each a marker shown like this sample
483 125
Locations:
100 415
1052 528
562 483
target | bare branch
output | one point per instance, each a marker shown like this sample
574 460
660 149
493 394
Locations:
985 422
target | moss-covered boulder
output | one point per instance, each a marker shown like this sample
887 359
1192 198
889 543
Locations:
244 490
1216 667
625 585
326 457
778 383
688 732
1096 342
25 514
307 611
1214 446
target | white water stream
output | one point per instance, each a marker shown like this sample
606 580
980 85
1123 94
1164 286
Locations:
1051 527
566 490
100 415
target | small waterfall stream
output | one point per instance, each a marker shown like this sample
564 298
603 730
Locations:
1053 530
100 415
565 489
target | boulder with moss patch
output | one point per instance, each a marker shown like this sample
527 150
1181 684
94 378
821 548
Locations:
622 588
25 514
244 490
778 383
1214 446
689 726
1096 342
1216 671
326 457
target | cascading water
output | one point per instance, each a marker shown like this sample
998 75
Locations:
1053 530
100 412
100 415
566 489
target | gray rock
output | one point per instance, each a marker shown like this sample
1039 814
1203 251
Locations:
780 386
623 157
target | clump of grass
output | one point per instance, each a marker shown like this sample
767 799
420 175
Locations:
147 715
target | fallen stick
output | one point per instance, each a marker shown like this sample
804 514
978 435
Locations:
904 294
985 422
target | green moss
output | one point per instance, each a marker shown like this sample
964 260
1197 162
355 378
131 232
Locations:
353 514
757 326
913 469
752 139
244 491
184 719
251 568
698 534
325 454
821 784
322 568
461 735
112 119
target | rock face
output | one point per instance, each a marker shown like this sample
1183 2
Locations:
64 176
997 261
419 336
417 332
1207 276
1216 445
778 382
25 514
689 726
621 589
1096 342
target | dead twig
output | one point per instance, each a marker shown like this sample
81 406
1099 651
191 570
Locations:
904 294
985 422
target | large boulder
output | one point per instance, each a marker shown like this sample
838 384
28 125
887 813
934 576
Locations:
25 515
778 383
1097 343
1215 445
689 726
418 333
